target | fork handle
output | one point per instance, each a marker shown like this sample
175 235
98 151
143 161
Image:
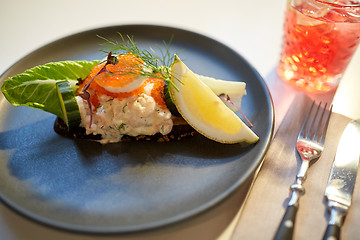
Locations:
286 227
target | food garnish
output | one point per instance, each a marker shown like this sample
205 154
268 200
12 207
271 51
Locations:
36 87
68 104
156 62
204 110
134 93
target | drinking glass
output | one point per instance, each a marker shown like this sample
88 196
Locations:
320 37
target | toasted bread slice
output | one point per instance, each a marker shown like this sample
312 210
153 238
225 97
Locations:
178 132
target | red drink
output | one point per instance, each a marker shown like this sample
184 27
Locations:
319 41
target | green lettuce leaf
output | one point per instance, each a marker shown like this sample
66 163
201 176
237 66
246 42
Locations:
36 87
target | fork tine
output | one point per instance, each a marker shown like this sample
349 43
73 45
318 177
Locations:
322 138
304 126
308 136
318 128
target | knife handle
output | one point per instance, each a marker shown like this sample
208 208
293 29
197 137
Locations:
337 214
332 232
286 227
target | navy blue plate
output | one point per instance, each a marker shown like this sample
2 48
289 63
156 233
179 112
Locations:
85 186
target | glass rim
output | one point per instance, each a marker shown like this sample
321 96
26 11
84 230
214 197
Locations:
339 5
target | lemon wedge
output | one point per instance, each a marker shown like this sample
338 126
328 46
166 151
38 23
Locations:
204 110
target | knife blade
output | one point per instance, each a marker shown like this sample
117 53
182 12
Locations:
342 178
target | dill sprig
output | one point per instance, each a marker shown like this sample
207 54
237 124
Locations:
157 63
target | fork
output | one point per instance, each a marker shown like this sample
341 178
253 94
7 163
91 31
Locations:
309 145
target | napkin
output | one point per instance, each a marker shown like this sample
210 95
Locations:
268 198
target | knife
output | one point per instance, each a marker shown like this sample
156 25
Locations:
342 177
